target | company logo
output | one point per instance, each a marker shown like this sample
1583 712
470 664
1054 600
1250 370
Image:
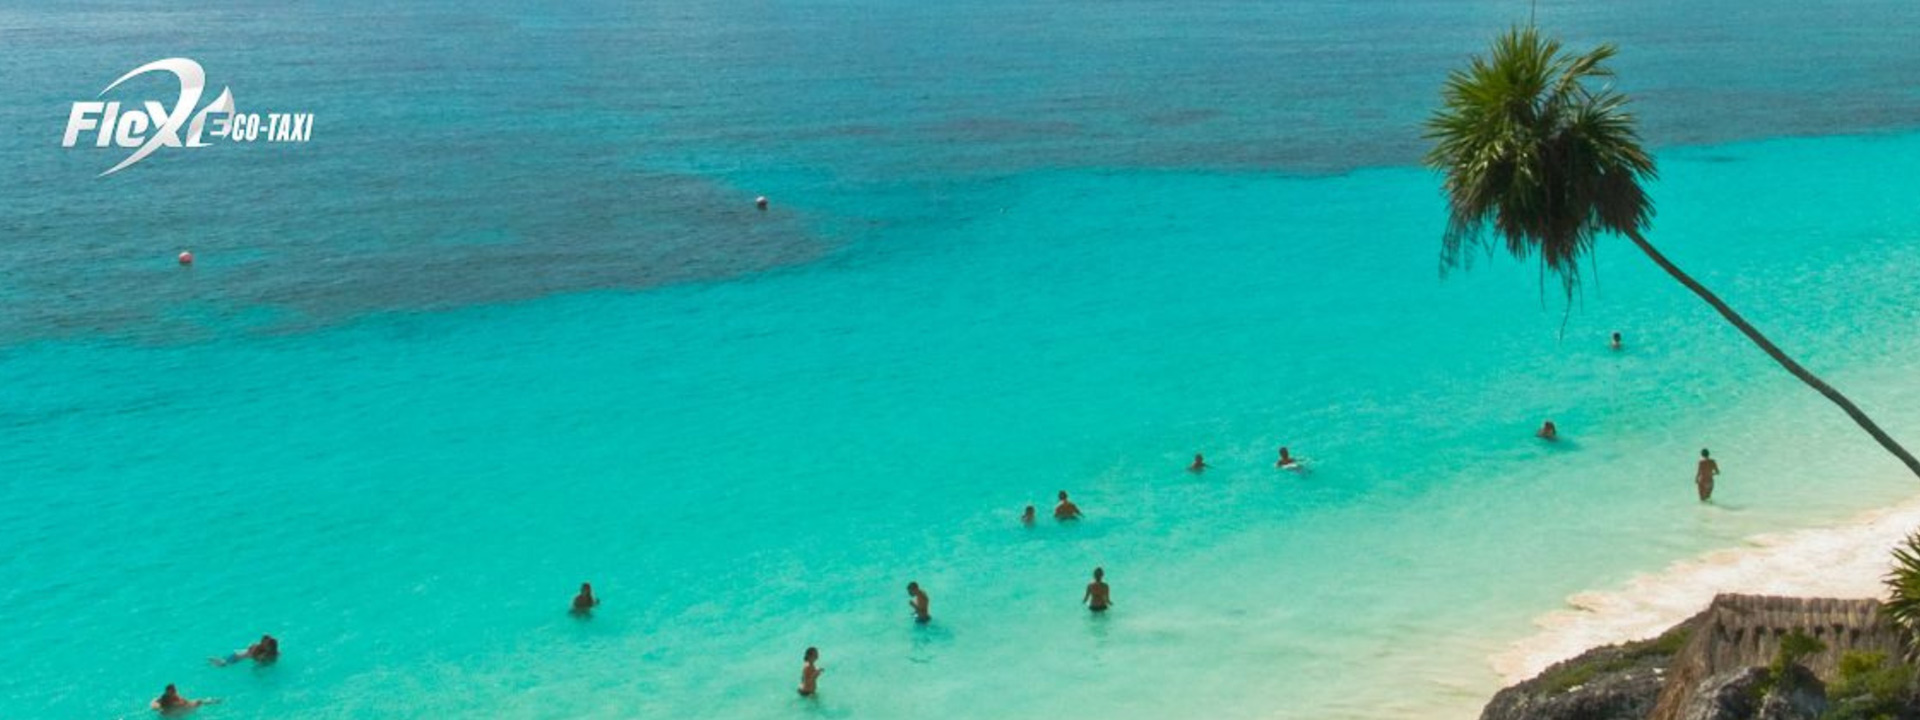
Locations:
149 125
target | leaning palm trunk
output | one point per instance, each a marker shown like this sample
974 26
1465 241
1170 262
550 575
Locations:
1812 381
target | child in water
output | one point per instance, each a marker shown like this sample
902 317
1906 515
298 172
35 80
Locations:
810 673
917 599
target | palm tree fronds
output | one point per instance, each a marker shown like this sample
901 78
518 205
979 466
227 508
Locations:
1537 161
1903 590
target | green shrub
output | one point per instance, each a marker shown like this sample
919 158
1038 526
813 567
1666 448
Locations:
1568 677
1869 687
1793 647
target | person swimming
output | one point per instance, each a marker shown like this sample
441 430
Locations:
1548 431
1615 343
1703 475
919 602
810 673
264 652
170 702
1099 597
1066 510
585 602
1026 518
1286 460
1199 463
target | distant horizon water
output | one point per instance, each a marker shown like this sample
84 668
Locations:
511 323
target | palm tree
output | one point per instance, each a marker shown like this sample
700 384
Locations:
1903 591
1540 162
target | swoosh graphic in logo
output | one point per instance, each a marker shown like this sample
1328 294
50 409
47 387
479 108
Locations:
193 81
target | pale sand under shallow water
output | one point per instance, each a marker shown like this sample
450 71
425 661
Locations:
1844 561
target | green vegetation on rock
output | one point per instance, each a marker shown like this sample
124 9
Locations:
1869 687
1568 676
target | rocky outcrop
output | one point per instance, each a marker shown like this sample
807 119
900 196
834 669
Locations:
1711 667
1799 696
1617 682
1743 631
1727 695
1743 695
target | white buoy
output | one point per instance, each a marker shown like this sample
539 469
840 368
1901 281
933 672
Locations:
760 202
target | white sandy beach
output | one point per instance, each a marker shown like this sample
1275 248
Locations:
1845 561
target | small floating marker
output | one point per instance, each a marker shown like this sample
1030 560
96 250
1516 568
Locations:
760 202
186 258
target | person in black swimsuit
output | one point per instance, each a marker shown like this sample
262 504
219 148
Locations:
1098 597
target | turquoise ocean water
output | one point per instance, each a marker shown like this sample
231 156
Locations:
510 323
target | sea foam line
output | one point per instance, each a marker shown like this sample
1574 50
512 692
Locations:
1845 561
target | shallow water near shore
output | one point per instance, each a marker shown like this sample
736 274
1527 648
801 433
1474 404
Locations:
749 460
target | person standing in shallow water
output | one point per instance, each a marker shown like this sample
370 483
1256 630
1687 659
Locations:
1615 342
810 673
1199 463
1026 518
917 599
1703 475
1548 431
585 602
1099 597
1066 510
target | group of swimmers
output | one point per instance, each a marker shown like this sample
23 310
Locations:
1703 473
1098 596
1286 462
264 652
1064 510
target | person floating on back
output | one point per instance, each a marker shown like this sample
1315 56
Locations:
1199 463
171 703
1026 518
917 599
585 602
1615 343
1066 510
1548 431
1703 475
810 673
1098 597
264 652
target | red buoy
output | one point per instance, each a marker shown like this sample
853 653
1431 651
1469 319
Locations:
186 258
